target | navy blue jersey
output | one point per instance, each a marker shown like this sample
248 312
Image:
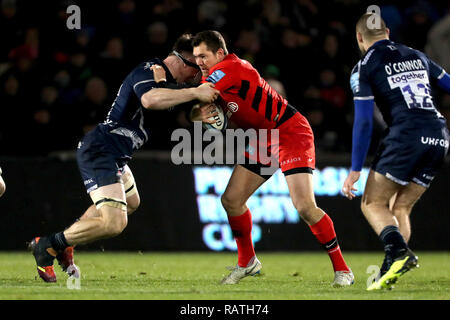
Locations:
399 79
126 116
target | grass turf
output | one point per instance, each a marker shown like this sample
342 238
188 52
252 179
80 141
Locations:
196 276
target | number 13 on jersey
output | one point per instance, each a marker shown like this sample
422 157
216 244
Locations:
415 88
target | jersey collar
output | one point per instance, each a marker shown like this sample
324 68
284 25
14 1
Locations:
379 43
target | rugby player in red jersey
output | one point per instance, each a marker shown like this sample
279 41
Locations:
250 103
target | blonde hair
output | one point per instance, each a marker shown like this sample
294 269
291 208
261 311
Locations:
370 30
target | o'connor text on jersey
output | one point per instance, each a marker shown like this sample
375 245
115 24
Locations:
403 66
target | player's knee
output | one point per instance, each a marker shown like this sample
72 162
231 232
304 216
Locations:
226 201
133 205
363 206
401 210
303 206
306 209
114 215
131 209
115 225
368 205
231 203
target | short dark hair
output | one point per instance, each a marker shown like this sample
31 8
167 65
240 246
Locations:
183 43
370 33
213 40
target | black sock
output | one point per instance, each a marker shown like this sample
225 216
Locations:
394 244
58 241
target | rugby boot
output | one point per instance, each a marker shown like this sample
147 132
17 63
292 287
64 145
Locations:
343 279
238 273
65 260
406 261
44 255
387 263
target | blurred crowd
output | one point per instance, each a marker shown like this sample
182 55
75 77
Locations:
57 83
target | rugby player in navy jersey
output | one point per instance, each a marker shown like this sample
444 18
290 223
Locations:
104 152
399 80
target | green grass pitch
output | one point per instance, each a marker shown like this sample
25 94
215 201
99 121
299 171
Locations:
196 276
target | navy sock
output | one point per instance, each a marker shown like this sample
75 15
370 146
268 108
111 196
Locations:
393 241
58 241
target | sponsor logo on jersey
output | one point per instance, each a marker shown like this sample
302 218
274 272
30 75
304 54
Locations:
434 141
86 182
292 160
354 82
425 176
367 57
232 106
406 77
216 76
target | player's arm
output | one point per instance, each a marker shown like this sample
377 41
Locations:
362 128
438 74
222 77
2 184
159 75
164 96
191 113
362 132
361 138
444 81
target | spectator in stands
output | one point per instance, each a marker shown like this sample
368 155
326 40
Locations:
298 37
438 41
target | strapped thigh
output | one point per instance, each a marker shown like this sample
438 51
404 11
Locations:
130 185
100 201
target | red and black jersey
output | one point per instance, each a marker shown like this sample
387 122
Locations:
247 99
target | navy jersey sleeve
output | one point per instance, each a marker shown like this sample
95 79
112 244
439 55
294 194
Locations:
436 71
359 83
362 132
364 102
142 80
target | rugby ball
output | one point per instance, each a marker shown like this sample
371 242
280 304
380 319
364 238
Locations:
220 120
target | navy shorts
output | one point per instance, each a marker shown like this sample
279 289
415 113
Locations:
101 158
412 151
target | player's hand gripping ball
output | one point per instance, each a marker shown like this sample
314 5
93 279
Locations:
218 120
